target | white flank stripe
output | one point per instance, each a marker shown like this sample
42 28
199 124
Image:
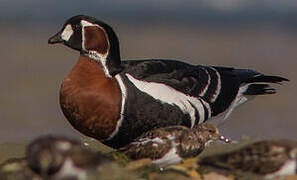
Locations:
167 94
218 89
124 95
207 107
206 86
67 33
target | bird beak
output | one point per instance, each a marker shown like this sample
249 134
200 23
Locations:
56 39
224 139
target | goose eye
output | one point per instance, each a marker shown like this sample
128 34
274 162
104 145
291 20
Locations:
76 26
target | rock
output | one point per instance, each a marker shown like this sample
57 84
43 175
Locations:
215 176
17 169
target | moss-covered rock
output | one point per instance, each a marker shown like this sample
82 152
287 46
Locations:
14 165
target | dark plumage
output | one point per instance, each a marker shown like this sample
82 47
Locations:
116 101
268 158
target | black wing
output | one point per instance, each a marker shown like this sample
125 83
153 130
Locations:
183 77
218 86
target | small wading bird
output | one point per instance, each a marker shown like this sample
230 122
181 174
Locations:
116 101
170 145
269 158
62 158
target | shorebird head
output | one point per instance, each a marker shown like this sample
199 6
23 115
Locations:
46 154
60 157
209 132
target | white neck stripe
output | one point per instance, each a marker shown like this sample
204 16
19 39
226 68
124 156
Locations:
87 23
124 96
101 59
207 107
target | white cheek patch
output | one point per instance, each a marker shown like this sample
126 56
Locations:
67 33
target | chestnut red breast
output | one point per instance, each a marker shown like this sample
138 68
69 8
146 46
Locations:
116 101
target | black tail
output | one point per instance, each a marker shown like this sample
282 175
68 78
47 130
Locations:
260 84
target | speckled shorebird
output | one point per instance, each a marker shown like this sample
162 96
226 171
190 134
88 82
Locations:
169 145
116 101
269 158
61 158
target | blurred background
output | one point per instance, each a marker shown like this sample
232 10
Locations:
260 35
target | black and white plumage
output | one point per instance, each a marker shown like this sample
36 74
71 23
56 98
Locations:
217 89
267 158
170 145
154 92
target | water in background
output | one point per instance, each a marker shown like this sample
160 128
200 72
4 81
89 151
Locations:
239 35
